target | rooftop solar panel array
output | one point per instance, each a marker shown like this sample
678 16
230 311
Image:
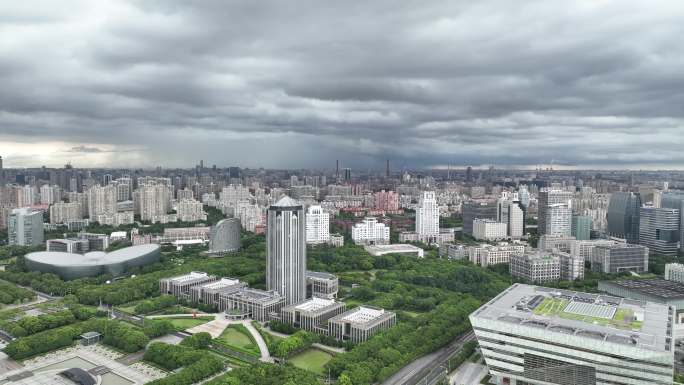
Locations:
656 287
591 310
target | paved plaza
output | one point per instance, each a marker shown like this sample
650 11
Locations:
44 369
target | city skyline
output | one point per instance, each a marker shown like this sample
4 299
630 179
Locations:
577 84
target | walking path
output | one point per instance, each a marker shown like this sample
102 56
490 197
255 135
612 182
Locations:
265 355
329 349
216 327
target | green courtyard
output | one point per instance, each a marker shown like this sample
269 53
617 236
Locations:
183 323
313 360
238 338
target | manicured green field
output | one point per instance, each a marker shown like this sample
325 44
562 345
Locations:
234 336
313 360
189 322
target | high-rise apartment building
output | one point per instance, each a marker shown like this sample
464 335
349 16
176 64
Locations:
50 194
286 262
190 210
123 189
101 201
317 225
152 201
25 227
623 216
659 230
185 193
386 200
65 212
536 335
511 212
27 196
555 212
427 217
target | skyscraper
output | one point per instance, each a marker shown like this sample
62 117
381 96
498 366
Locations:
555 212
659 230
674 199
511 212
427 217
581 227
25 227
623 216
286 262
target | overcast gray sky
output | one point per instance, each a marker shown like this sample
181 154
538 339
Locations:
302 83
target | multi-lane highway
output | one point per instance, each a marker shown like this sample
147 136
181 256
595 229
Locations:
430 368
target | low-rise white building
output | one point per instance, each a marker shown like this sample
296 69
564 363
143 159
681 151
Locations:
536 267
370 232
378 250
485 255
489 230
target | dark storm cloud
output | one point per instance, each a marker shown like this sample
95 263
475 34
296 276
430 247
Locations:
272 83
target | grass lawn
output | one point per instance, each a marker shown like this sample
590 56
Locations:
412 314
237 336
312 360
186 323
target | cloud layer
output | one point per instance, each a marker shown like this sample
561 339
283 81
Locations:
300 84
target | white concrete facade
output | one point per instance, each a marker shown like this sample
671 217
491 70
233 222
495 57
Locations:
370 231
317 225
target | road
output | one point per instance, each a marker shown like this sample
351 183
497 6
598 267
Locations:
429 367
469 373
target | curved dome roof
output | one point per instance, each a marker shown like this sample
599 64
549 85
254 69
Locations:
93 258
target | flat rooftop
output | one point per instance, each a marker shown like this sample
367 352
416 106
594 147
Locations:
320 274
314 304
611 319
656 287
256 295
189 277
221 283
361 315
377 250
